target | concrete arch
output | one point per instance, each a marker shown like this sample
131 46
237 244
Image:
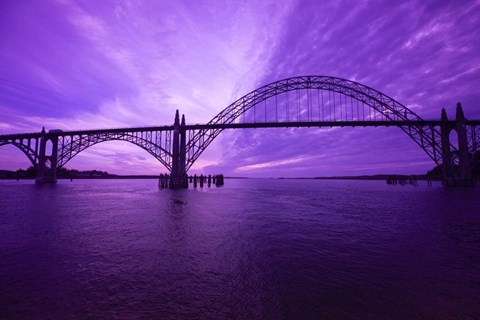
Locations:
24 148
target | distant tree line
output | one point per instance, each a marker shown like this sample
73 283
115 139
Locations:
31 173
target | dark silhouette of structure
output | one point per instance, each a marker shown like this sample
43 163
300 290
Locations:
307 101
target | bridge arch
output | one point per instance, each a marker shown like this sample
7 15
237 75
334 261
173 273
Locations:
30 153
387 108
76 144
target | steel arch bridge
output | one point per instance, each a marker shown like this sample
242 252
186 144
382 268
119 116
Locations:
305 101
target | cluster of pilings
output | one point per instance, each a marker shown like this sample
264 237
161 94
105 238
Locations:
171 182
406 179
402 180
202 180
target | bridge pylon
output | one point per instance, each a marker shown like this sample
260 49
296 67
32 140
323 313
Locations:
448 171
461 174
178 174
45 173
464 162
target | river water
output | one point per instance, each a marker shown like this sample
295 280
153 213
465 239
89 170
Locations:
253 249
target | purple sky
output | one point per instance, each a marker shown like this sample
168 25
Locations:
98 64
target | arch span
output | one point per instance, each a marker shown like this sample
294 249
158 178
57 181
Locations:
29 152
72 146
388 109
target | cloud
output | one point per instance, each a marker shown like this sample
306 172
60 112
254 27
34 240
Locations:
270 164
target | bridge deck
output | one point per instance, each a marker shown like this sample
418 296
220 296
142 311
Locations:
296 124
320 124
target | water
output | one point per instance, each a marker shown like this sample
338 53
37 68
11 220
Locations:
254 249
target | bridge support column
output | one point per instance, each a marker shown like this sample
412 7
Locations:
464 163
448 173
178 176
182 153
47 174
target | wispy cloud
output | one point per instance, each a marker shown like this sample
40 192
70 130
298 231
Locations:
270 164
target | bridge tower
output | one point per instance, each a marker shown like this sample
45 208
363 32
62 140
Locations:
448 172
464 163
462 175
179 174
47 174
183 148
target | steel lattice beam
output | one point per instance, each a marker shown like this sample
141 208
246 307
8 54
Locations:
72 144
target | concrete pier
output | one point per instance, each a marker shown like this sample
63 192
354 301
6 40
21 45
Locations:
452 174
178 176
45 173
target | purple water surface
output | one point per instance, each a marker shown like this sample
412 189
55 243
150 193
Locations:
253 249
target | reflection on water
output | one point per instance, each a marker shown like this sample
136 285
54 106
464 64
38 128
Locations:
305 249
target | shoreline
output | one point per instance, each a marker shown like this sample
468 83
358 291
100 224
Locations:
375 177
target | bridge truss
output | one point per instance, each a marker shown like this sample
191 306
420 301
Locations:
316 100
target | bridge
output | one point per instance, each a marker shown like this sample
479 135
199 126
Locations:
306 101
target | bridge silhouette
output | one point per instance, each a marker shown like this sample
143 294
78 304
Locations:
306 101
